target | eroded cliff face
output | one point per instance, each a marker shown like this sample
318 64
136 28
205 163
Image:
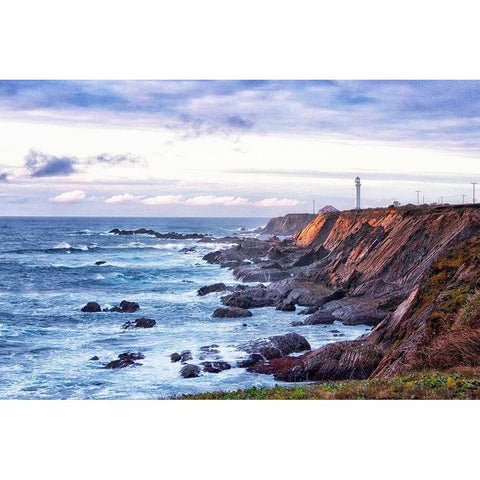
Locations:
432 256
288 224
378 251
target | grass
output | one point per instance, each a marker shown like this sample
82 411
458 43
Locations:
429 385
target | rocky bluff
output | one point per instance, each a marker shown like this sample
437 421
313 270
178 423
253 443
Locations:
410 272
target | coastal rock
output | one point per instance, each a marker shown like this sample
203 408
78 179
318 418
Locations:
251 360
125 360
169 235
319 318
216 287
278 345
91 307
100 262
94 358
185 356
126 307
215 367
190 371
286 307
139 323
288 224
231 312
187 250
210 348
175 357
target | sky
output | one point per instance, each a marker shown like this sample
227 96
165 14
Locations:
233 148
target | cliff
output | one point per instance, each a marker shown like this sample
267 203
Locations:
288 224
422 264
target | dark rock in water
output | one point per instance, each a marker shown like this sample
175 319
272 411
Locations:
125 307
244 325
186 355
91 307
319 318
210 348
94 358
190 371
187 250
278 346
125 360
212 257
216 287
140 323
296 323
334 331
231 312
100 262
251 360
175 357
169 235
188 281
286 307
129 307
215 367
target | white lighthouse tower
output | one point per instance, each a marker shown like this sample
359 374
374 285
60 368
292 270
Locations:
357 196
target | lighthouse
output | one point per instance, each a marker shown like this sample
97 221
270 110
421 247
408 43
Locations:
357 193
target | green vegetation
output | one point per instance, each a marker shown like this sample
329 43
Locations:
430 385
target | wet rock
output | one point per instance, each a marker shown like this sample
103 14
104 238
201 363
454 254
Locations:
94 358
125 360
169 235
231 312
216 287
186 355
175 357
125 307
251 360
190 371
215 367
212 257
210 348
91 307
320 318
140 323
187 250
296 323
309 310
286 307
100 262
278 345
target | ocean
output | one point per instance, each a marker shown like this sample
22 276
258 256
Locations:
48 272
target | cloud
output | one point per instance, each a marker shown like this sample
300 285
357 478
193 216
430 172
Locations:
206 200
126 197
110 159
68 197
163 200
239 122
4 177
277 202
40 164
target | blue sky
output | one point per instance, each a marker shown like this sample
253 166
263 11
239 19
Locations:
235 148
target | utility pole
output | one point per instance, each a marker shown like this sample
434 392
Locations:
313 202
463 199
418 197
473 198
423 199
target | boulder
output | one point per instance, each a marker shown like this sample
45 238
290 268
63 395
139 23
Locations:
186 355
94 358
139 323
91 307
296 323
187 250
210 348
251 360
319 318
100 262
125 360
175 357
129 307
216 287
278 345
190 371
286 307
215 367
231 312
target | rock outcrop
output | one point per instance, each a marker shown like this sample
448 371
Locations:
288 224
